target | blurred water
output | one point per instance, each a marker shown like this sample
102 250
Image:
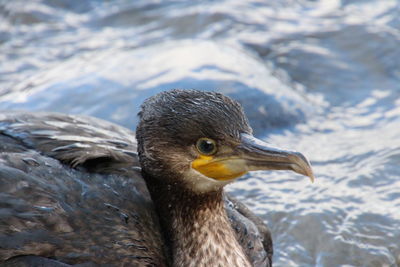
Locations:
321 77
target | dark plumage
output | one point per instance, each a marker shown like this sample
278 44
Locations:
72 192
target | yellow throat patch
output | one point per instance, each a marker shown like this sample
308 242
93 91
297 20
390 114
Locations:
218 169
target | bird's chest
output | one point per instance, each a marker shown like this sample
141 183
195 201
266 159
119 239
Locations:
211 243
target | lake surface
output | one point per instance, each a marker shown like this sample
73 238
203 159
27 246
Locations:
321 77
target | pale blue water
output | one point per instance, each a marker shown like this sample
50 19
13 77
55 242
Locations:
321 77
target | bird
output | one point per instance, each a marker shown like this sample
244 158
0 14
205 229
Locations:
80 191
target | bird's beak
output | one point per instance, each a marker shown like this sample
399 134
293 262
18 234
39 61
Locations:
250 155
260 156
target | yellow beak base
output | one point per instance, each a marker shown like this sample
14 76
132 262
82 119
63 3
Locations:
222 170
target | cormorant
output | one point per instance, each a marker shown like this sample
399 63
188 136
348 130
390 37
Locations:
73 190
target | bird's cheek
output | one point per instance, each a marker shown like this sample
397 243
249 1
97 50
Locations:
219 169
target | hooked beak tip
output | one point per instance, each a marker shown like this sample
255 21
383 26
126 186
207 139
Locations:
311 176
303 166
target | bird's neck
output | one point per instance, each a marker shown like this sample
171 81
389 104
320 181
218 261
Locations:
197 228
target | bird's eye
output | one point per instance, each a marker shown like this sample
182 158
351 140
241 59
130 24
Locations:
206 146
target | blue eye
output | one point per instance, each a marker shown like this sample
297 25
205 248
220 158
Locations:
206 146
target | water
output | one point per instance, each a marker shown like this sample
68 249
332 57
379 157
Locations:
321 77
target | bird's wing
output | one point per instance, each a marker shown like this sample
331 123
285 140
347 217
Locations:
52 207
252 233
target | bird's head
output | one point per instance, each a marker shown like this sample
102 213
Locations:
203 141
